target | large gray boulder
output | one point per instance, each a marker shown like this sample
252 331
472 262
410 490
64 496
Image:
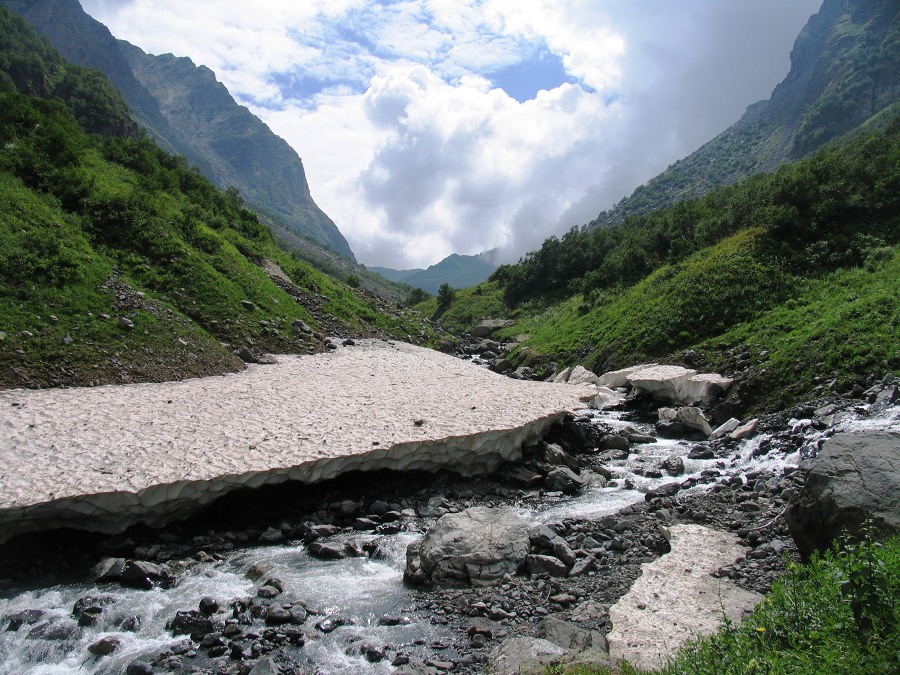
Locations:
520 655
478 545
487 327
854 476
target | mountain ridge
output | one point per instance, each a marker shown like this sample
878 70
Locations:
845 70
278 191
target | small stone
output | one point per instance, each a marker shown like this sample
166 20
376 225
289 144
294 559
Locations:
106 646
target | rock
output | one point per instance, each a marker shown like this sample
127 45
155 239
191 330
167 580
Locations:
249 306
488 327
478 545
109 569
854 476
68 340
725 429
271 536
327 551
331 623
583 565
571 637
208 605
546 564
276 615
563 479
744 431
265 666
663 491
125 322
670 429
144 575
562 376
300 326
524 654
245 355
614 442
581 375
701 452
26 617
674 465
190 622
105 646
139 668
693 418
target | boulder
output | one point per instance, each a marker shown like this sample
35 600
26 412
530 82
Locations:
853 477
488 327
563 479
546 564
524 654
570 636
478 545
581 375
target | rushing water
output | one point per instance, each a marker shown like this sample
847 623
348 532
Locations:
362 590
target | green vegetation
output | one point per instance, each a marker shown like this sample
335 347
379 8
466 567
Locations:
798 267
119 262
838 614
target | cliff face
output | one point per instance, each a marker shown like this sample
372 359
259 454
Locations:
186 111
844 76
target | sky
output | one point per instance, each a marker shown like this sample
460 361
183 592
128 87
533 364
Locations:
431 127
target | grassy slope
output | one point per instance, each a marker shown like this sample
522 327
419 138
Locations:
798 268
120 229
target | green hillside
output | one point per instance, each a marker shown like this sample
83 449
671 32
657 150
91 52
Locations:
787 280
187 111
119 262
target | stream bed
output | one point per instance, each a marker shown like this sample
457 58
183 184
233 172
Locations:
362 618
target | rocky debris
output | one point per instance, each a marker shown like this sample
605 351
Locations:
478 545
852 478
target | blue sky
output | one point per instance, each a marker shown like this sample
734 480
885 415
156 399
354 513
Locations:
431 127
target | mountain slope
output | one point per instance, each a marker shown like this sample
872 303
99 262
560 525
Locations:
188 112
121 263
845 74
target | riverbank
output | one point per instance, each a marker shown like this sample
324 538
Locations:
335 550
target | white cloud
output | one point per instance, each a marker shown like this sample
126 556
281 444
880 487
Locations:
413 151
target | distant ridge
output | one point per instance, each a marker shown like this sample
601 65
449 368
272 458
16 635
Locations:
186 111
460 271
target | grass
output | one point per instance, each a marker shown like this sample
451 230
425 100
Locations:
805 333
840 613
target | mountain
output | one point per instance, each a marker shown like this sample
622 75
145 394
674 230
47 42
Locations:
186 111
460 271
844 77
119 262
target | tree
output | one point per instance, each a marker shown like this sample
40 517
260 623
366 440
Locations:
445 295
